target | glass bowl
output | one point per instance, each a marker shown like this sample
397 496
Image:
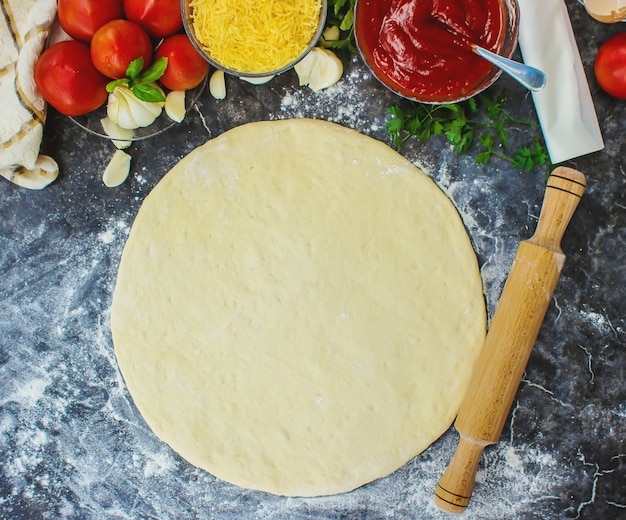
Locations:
509 39
91 121
187 13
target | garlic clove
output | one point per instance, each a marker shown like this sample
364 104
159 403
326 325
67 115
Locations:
175 105
331 34
217 84
144 112
125 118
319 69
304 68
121 137
119 111
141 114
117 170
113 109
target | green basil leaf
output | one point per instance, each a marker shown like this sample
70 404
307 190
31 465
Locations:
149 93
111 85
154 71
134 69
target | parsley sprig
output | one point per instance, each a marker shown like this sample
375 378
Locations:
140 82
341 14
483 114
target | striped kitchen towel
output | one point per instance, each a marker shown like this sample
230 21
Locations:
24 28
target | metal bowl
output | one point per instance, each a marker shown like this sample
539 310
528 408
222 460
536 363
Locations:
187 16
510 10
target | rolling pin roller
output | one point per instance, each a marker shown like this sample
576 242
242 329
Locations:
510 339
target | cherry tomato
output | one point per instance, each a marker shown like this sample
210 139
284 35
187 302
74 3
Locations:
68 80
160 18
610 66
116 44
82 18
185 66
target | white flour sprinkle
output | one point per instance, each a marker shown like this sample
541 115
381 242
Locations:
342 103
79 449
108 453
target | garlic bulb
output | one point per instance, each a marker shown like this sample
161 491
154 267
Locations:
127 111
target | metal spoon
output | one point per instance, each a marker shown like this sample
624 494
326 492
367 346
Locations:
529 77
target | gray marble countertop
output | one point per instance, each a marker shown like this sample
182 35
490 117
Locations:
73 445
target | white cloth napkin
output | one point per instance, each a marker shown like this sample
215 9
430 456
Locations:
24 27
564 106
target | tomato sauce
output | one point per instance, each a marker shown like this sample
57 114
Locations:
423 47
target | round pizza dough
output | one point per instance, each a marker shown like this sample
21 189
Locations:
298 308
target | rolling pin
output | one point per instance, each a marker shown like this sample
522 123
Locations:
510 339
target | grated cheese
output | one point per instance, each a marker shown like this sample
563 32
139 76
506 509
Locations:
255 36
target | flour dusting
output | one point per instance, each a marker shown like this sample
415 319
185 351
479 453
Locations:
73 445
75 430
342 103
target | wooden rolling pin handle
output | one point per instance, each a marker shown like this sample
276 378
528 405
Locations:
511 337
455 487
564 190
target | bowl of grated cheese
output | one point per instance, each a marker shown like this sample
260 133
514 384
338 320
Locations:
254 38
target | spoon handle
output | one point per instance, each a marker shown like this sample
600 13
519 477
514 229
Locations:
529 77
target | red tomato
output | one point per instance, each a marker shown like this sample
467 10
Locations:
610 66
160 18
116 44
82 18
68 80
185 66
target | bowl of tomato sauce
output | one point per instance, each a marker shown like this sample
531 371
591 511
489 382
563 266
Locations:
422 49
